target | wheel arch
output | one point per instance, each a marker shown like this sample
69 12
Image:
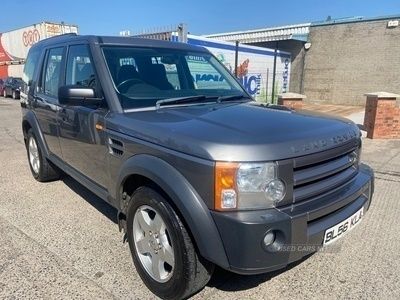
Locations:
154 172
29 121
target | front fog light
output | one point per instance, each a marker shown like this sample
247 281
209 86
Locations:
228 199
275 190
269 238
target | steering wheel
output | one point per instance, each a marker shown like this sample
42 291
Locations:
131 81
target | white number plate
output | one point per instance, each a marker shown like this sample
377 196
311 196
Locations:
334 233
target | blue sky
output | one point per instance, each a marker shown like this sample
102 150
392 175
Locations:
205 16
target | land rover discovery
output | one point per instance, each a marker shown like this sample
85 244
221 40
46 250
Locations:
199 173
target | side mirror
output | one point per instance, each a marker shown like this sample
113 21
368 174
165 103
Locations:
76 95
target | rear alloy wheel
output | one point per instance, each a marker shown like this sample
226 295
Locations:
162 250
42 170
33 153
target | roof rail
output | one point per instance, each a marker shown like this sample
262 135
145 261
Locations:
62 35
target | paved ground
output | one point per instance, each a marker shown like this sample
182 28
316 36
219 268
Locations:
58 240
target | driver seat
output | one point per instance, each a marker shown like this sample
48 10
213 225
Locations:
127 72
156 75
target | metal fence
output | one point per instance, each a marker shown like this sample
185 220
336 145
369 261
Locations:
176 33
262 88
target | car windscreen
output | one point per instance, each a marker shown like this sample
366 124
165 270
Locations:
142 76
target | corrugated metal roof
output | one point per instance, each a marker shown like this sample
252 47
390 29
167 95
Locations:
355 19
297 32
289 32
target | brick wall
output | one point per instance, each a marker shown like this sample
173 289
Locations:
347 60
382 117
291 100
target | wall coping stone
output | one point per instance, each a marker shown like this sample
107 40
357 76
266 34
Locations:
291 96
382 95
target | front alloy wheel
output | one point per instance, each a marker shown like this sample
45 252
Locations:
162 249
153 243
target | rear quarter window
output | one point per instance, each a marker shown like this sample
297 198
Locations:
29 69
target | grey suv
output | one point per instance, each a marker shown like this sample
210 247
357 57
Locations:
12 87
200 174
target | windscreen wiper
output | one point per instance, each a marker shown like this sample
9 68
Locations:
232 97
198 98
179 100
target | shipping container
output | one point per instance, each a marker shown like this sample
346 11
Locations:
255 66
15 44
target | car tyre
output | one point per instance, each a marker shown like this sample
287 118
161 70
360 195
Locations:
42 170
14 96
158 240
4 93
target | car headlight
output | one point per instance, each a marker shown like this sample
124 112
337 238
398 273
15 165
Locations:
247 186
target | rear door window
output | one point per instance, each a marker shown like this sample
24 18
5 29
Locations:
31 62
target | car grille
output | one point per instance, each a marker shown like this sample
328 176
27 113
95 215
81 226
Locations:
320 173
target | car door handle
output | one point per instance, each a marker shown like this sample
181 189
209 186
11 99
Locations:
64 119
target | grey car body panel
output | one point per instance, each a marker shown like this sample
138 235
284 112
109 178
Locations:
215 131
176 147
302 237
81 178
199 172
77 134
191 207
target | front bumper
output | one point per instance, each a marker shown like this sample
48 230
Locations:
299 230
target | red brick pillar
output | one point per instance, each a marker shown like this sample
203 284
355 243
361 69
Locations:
382 116
291 100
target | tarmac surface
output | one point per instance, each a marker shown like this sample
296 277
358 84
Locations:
58 240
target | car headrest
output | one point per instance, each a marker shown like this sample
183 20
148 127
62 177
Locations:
127 72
